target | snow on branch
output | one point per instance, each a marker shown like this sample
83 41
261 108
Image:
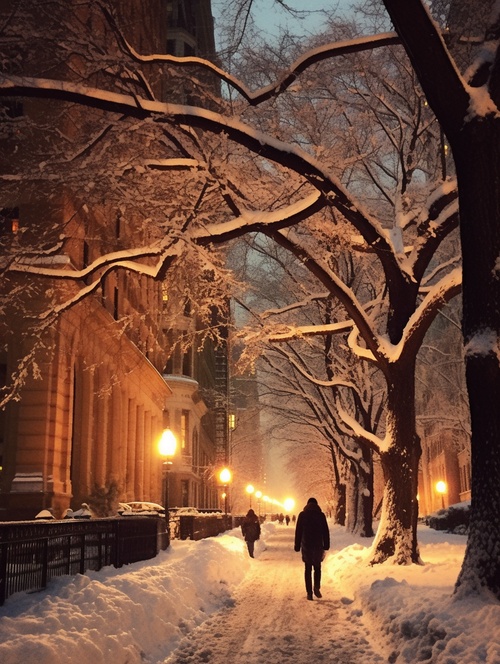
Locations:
360 433
357 349
287 155
255 220
166 164
314 297
321 270
336 382
311 330
122 259
267 92
419 322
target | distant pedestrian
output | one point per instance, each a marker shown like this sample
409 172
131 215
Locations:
250 528
312 538
287 519
293 519
281 519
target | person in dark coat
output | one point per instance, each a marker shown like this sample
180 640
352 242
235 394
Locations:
250 528
312 537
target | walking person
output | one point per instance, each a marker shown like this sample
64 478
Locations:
250 528
312 538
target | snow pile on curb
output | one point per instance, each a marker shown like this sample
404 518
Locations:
134 614
412 608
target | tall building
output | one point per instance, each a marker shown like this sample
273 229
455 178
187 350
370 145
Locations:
94 388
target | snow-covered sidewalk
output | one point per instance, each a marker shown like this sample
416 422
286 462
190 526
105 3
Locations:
271 621
209 602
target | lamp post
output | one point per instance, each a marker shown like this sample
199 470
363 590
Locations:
441 488
250 491
225 478
166 448
258 495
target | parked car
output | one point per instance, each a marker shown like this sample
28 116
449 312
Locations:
140 507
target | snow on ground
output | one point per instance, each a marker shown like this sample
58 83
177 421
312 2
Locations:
208 601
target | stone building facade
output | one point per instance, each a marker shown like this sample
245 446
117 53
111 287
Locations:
95 390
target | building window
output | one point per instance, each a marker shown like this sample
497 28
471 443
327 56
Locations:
11 107
116 311
9 221
185 493
196 450
185 431
465 477
187 363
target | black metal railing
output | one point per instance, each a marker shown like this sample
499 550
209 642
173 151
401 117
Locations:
33 553
200 527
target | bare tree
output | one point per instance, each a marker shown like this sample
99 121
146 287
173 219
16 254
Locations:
303 381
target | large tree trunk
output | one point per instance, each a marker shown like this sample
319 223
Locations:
477 157
397 532
339 489
475 141
360 503
339 497
366 495
352 500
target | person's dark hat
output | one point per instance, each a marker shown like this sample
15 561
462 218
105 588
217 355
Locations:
312 500
251 513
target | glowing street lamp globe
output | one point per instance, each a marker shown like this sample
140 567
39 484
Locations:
225 476
250 490
441 486
167 444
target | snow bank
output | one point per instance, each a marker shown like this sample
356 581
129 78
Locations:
139 614
134 614
413 609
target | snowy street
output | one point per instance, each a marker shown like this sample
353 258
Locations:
271 620
208 601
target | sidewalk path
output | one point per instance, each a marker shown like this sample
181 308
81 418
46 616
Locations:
271 622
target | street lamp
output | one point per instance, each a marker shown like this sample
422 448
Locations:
225 478
441 488
166 448
258 495
250 490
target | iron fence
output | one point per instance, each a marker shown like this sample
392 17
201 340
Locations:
33 553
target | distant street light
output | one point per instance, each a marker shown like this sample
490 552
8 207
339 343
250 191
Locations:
250 491
225 478
167 446
258 495
441 488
